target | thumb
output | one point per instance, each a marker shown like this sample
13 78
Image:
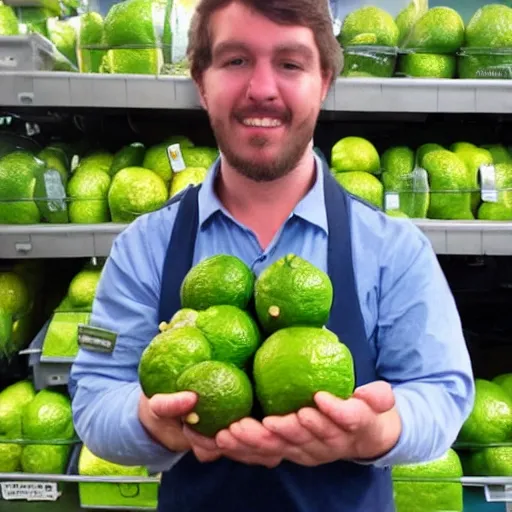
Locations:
172 405
378 396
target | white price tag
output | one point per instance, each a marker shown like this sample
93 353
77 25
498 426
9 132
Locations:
488 183
392 201
176 158
30 491
55 191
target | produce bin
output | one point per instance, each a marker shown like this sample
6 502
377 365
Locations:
485 63
47 371
30 52
125 493
45 489
369 61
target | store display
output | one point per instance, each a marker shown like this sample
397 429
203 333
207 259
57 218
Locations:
58 180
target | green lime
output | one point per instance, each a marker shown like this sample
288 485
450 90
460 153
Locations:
295 363
12 401
490 420
232 333
135 191
412 493
82 288
45 458
48 416
14 294
292 291
224 395
168 355
220 279
185 317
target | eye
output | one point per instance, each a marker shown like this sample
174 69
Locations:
235 62
291 66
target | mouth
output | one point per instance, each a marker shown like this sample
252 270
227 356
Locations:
261 122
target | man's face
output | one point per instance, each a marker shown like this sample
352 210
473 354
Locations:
263 91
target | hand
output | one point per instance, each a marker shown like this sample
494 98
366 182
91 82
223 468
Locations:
246 441
161 417
365 426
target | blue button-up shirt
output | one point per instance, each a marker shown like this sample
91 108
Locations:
412 325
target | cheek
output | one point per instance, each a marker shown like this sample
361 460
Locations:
221 93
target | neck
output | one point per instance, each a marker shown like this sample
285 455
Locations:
264 206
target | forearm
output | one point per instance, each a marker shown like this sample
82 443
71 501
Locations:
108 424
431 415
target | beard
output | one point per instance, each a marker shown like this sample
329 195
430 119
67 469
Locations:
286 161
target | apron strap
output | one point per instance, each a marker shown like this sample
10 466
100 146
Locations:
180 255
347 319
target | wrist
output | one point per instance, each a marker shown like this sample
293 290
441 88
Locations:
385 435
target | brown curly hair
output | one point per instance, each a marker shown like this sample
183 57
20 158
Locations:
313 14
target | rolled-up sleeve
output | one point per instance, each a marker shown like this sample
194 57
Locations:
420 350
105 388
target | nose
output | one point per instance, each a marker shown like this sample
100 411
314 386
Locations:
262 85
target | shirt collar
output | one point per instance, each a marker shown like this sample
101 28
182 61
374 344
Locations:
311 208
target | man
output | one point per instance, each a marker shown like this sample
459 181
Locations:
263 69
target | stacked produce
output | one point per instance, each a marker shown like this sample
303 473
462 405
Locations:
459 182
20 286
425 42
58 186
36 430
239 342
61 337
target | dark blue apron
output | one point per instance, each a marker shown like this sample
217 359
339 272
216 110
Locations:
228 486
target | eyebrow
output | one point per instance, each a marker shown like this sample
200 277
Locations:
233 46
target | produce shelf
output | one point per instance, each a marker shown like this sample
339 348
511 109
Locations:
60 89
468 237
80 241
58 240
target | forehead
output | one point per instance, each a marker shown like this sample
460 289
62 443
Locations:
237 23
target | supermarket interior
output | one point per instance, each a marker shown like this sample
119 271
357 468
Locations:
95 99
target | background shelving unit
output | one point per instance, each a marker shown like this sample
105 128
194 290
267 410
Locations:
107 104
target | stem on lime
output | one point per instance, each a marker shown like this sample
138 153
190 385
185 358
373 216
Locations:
192 418
274 311
163 326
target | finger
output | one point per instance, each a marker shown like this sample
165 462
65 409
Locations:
252 433
378 395
227 442
350 415
318 424
206 455
289 428
196 439
172 405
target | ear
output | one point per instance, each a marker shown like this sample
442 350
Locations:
199 83
326 84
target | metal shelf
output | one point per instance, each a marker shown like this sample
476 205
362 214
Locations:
59 89
78 241
58 240
468 237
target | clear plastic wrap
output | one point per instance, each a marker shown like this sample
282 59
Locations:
486 63
369 61
134 37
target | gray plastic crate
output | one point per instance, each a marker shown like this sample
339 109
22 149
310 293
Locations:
47 371
31 52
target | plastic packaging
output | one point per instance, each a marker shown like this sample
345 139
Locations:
426 65
369 61
403 11
120 489
134 37
486 63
